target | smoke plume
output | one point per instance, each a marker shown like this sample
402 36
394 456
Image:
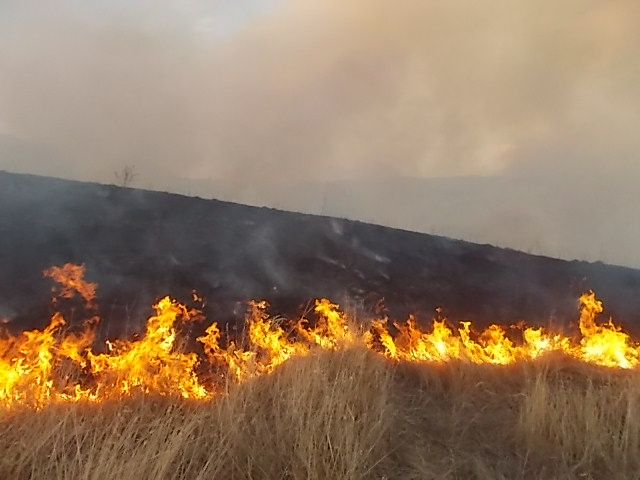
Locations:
287 100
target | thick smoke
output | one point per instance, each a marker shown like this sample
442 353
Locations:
283 102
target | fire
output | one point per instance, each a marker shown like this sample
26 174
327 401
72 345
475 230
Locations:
151 364
604 344
71 281
55 364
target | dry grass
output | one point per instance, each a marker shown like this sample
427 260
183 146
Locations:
349 415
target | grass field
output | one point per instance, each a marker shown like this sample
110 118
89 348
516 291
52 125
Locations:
349 414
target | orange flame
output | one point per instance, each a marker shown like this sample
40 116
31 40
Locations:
151 364
40 367
71 280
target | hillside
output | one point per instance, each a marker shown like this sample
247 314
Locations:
138 245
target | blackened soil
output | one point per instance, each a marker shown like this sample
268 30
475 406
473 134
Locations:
140 245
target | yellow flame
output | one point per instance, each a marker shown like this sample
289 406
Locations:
151 364
40 367
604 344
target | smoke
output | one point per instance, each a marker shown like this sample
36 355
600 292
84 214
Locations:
319 90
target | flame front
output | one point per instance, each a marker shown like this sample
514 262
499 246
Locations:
151 364
41 367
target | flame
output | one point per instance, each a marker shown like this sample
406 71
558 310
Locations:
71 281
151 364
54 364
331 331
604 344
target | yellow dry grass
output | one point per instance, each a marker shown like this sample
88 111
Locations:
349 414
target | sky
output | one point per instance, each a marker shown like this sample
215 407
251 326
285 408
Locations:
337 107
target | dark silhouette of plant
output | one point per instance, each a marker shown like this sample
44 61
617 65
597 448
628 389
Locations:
126 176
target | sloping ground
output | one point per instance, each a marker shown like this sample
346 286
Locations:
138 245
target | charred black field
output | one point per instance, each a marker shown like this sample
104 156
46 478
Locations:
140 245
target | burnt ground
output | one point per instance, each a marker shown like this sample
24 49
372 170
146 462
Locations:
140 245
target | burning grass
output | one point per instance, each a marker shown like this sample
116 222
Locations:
321 399
348 414
54 365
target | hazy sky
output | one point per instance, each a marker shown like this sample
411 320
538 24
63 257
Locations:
285 92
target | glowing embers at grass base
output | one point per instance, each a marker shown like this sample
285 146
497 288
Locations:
55 365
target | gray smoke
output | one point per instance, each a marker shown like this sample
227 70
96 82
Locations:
292 103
